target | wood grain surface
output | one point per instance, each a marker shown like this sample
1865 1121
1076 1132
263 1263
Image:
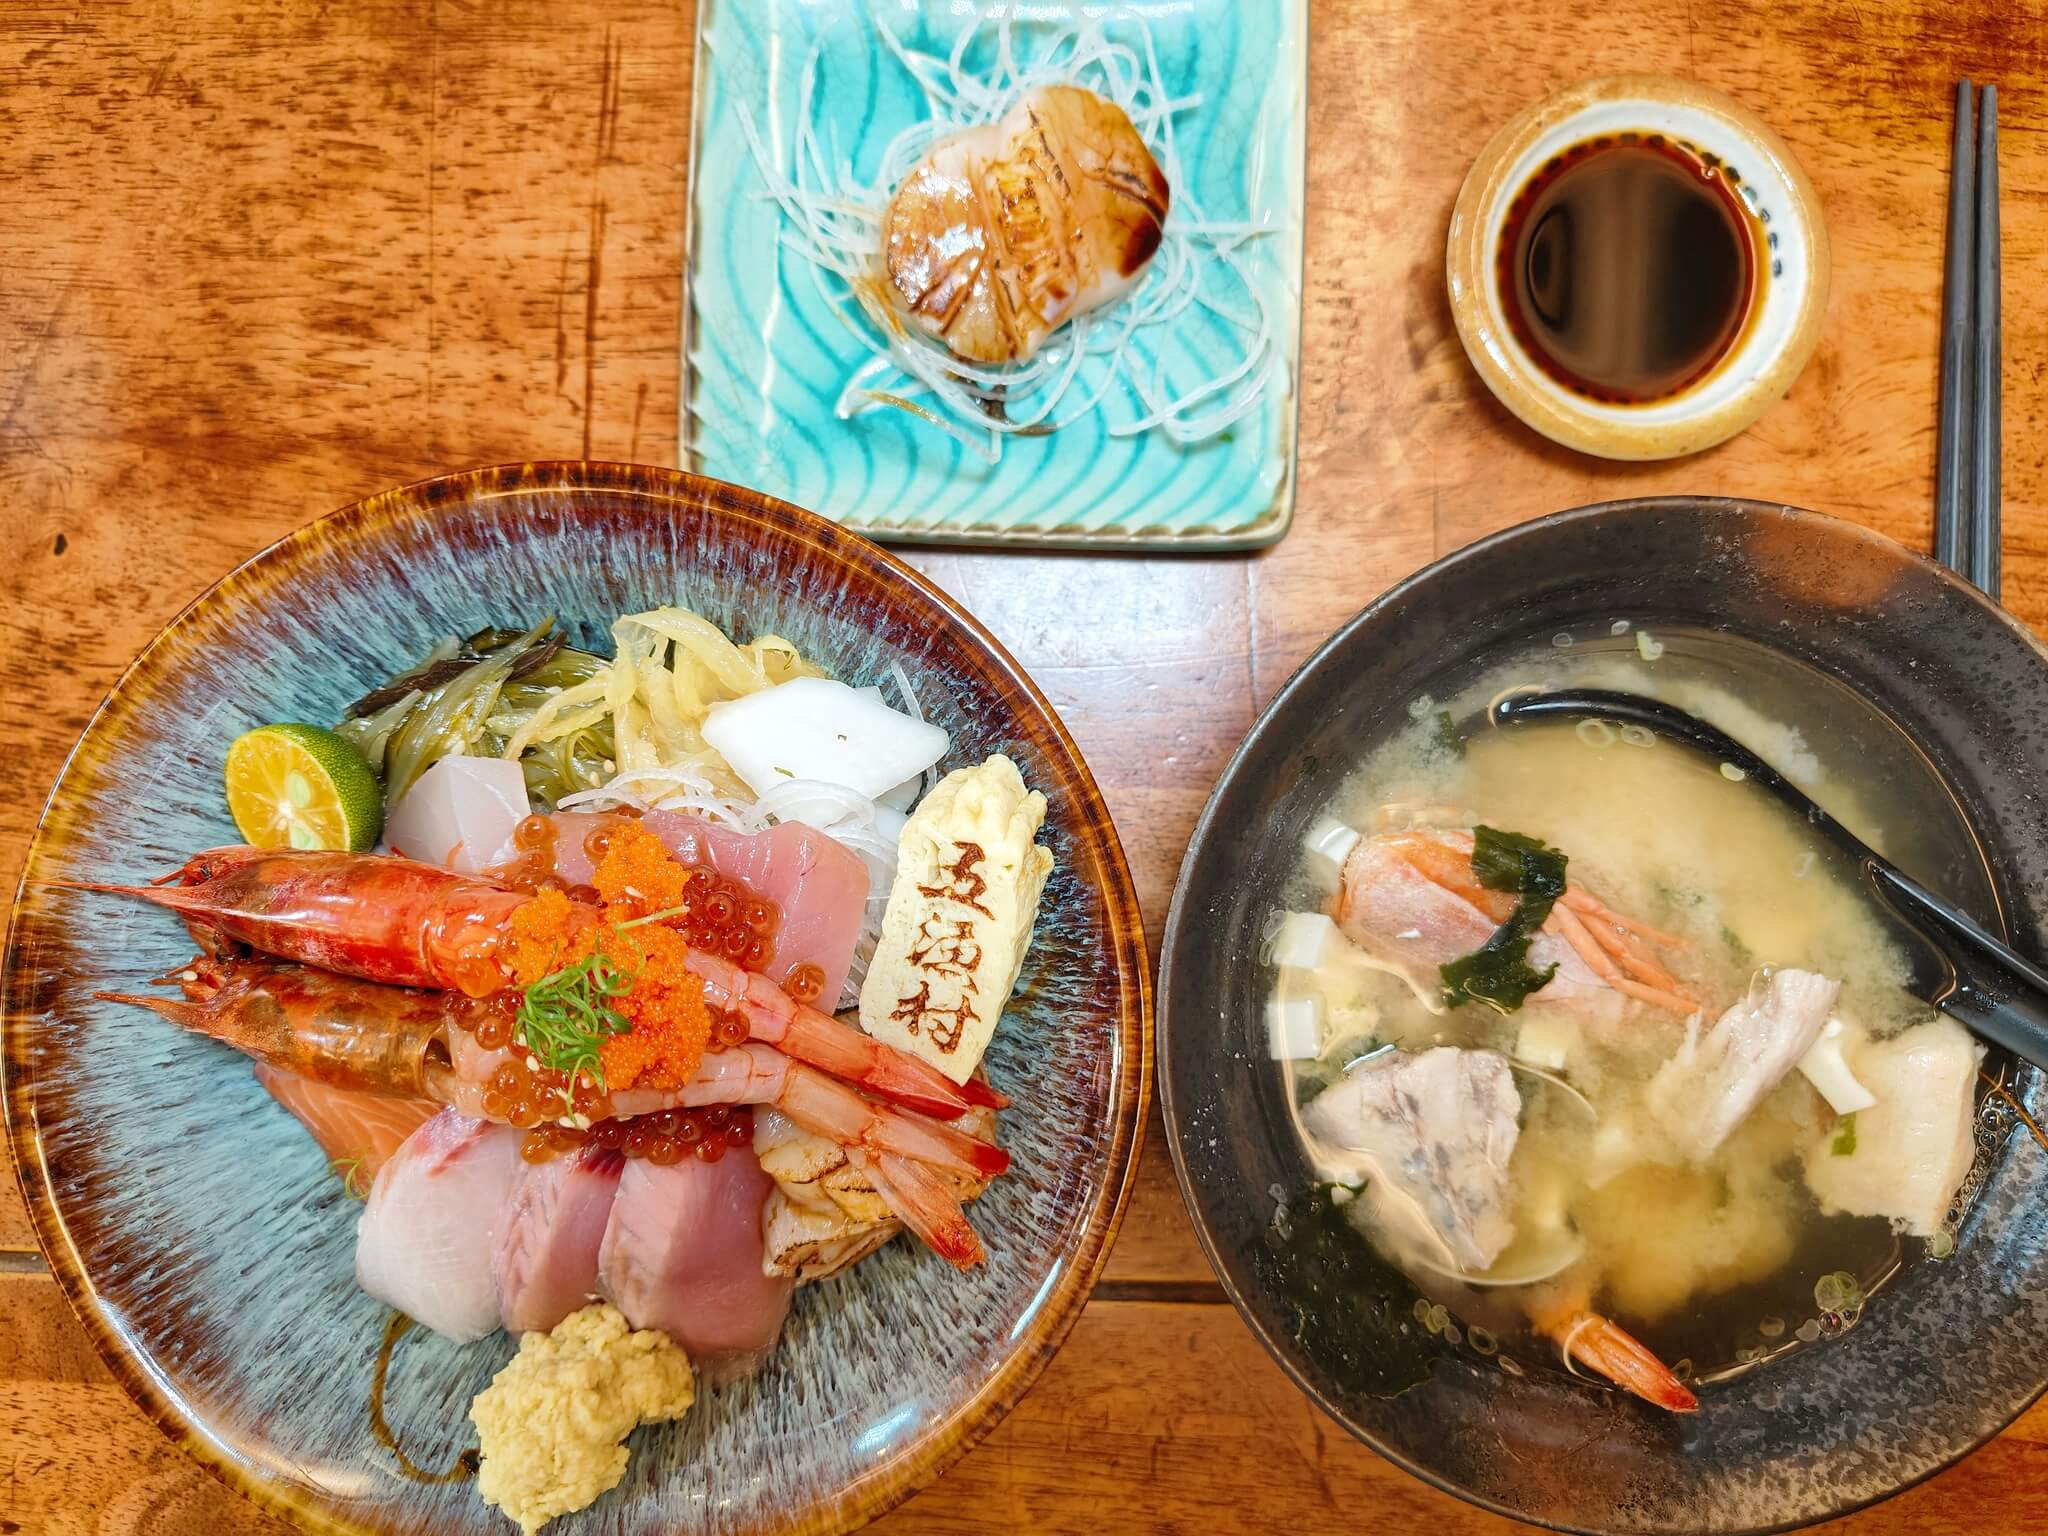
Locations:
259 259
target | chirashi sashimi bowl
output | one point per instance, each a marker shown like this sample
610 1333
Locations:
549 952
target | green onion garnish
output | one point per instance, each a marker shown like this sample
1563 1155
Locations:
567 1016
355 1184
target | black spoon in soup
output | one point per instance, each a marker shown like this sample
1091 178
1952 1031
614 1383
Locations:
1980 982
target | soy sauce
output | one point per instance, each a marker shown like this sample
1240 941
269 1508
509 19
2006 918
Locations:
465 1465
1630 266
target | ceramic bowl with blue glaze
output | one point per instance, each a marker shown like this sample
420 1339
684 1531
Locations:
199 1232
770 346
1936 683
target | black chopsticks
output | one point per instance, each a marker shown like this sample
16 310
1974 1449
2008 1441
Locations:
1967 533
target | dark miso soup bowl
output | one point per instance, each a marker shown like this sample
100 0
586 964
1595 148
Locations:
1942 1359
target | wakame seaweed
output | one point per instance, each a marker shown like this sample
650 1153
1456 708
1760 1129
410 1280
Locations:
470 697
1498 973
1448 735
1352 1312
474 651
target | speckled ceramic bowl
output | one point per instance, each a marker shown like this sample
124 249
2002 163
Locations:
1955 692
197 1229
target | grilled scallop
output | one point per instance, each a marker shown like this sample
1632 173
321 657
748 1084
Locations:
1001 235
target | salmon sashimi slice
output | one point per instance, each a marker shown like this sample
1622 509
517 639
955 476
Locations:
358 1131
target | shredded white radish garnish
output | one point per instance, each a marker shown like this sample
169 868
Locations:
834 223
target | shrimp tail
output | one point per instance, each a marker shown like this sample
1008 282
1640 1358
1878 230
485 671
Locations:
822 1103
944 1146
978 1093
821 1041
1588 1339
923 1203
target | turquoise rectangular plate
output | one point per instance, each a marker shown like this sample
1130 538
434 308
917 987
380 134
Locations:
767 354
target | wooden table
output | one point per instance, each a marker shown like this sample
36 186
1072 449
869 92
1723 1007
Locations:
259 259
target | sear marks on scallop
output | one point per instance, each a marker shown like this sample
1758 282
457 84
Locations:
1001 235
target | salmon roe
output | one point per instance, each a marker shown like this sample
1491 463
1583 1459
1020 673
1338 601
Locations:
534 833
664 1138
804 982
637 876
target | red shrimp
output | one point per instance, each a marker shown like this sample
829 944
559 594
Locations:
1585 1336
754 1073
923 1203
896 1149
407 924
333 1029
383 919
399 1041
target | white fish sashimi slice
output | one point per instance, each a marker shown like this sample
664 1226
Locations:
1705 1091
683 1253
460 813
424 1242
545 1260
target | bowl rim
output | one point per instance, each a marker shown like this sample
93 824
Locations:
1128 1091
1169 944
1689 425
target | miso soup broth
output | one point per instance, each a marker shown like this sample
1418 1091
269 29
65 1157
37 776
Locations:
1682 1097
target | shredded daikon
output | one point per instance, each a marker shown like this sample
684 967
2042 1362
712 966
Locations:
915 710
834 222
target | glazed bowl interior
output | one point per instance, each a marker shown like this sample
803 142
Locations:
200 1233
1921 679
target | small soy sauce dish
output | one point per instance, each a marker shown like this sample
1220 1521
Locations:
1638 267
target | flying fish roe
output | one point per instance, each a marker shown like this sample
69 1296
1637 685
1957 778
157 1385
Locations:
637 878
638 873
537 940
671 1024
